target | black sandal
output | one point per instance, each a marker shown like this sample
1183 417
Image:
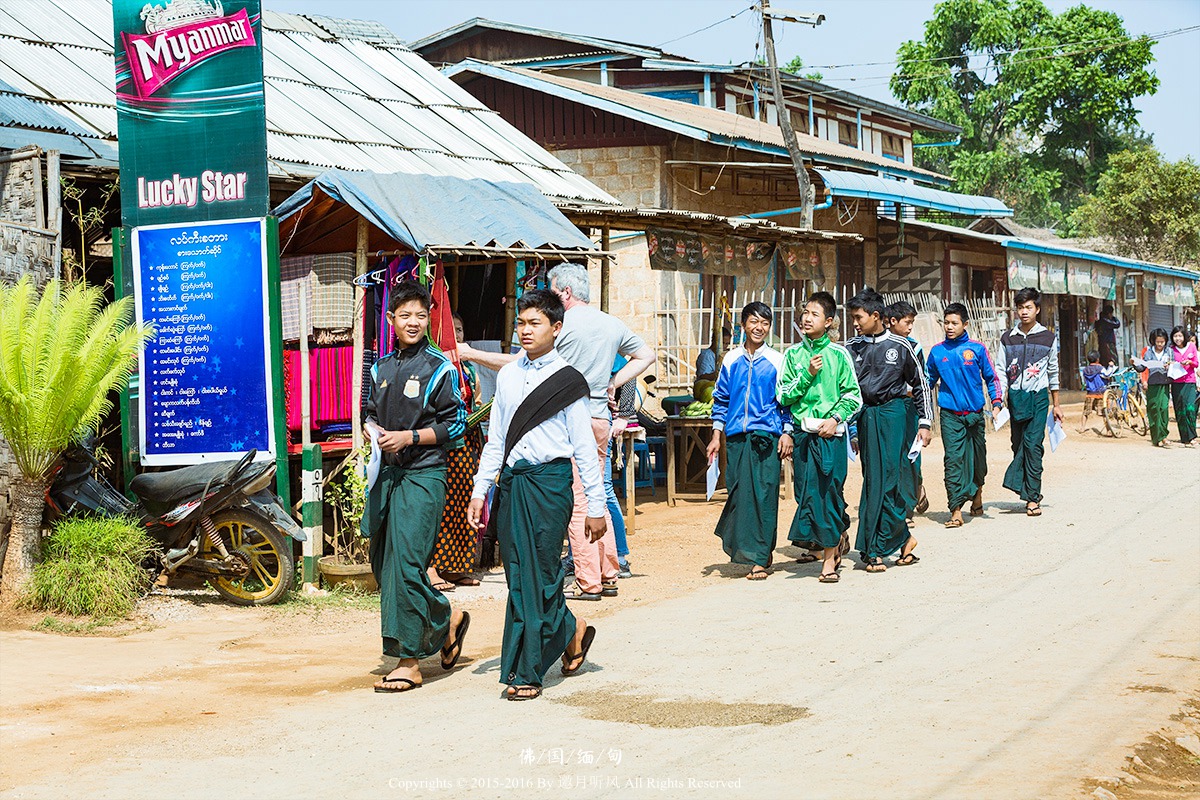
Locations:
829 577
876 565
517 696
808 558
589 634
383 688
459 633
908 558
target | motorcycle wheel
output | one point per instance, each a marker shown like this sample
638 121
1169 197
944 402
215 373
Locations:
269 553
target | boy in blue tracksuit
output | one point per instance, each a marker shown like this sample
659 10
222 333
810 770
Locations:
757 432
963 367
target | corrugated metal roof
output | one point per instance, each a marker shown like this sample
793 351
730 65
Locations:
699 122
479 23
340 93
871 187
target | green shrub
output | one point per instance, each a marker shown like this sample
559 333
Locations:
92 567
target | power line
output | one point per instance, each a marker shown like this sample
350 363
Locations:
707 27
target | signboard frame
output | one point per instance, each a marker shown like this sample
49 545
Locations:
146 388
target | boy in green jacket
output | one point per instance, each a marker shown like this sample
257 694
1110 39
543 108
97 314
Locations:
819 386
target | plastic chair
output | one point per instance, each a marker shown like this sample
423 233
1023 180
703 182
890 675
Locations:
644 476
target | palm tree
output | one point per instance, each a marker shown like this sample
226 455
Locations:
60 358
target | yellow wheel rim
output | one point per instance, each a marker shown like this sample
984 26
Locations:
266 567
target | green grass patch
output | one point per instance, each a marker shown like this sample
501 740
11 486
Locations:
91 567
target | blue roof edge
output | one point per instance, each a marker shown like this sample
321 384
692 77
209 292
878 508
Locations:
1103 258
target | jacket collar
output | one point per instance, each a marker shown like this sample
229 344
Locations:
1037 328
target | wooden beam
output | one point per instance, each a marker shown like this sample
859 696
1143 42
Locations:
605 267
360 302
510 303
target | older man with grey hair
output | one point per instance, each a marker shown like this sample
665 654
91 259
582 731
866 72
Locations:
590 341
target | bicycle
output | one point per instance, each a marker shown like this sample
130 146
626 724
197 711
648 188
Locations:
1125 404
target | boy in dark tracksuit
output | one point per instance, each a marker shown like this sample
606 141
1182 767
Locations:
888 370
1028 360
412 411
901 318
963 366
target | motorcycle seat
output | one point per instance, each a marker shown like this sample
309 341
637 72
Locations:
160 489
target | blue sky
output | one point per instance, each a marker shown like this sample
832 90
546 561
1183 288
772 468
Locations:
854 32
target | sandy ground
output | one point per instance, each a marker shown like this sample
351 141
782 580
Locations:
1020 658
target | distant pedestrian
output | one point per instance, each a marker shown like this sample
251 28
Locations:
1106 327
757 433
1183 388
818 387
888 371
1028 361
1155 360
960 368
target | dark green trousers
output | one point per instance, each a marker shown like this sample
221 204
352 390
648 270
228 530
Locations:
404 511
819 473
1027 433
750 519
1183 395
883 505
533 509
964 439
1158 410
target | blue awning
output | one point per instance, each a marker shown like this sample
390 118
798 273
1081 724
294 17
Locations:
427 213
1049 248
871 187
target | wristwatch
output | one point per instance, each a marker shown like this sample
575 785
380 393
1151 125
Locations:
416 438
836 418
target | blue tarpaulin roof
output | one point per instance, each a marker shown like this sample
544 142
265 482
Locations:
424 212
854 184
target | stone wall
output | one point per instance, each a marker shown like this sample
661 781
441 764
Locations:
26 247
633 175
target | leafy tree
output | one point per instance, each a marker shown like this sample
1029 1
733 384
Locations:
1146 206
60 357
796 64
1056 92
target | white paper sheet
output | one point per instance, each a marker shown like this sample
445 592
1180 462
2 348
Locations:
914 449
376 456
1055 432
1002 418
1176 371
710 477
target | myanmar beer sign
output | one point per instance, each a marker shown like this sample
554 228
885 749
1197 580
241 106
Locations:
191 126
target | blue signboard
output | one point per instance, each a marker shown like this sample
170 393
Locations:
205 386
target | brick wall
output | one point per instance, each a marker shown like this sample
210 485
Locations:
633 175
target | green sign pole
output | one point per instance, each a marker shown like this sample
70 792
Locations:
311 511
283 481
129 393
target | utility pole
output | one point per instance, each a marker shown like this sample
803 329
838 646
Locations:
785 118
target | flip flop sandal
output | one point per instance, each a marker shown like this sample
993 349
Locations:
876 565
954 523
757 575
459 633
443 587
532 693
466 582
904 561
383 688
1033 511
923 503
829 577
589 634
843 546
807 558
976 511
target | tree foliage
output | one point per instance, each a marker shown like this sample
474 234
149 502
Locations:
1146 206
1043 99
60 357
796 65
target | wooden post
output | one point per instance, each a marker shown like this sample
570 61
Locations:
54 207
510 303
312 511
785 121
605 267
360 302
305 369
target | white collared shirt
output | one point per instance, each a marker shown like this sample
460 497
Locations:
568 434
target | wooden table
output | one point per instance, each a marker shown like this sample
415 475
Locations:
687 443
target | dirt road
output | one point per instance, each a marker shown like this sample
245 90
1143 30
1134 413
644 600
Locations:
1018 659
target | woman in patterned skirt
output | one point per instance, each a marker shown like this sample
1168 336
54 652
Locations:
457 543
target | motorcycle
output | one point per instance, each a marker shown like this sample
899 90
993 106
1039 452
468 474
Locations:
220 520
